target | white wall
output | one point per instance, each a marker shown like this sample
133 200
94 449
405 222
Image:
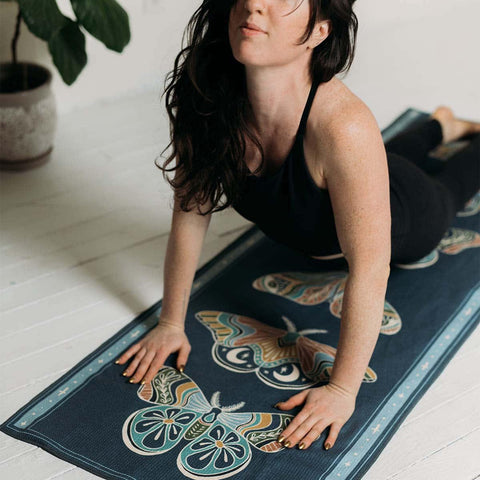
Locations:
156 30
419 53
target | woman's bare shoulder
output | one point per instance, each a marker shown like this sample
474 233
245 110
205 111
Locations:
336 113
337 116
337 108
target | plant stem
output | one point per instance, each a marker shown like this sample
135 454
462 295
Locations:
17 34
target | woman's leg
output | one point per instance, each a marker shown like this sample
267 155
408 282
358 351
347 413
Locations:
423 206
461 173
425 192
422 209
416 142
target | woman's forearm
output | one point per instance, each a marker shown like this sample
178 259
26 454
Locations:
184 247
361 318
181 260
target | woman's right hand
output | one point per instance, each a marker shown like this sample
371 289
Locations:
153 349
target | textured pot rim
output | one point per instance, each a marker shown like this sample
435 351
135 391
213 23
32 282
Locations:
31 95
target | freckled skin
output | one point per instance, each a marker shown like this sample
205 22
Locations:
276 68
277 78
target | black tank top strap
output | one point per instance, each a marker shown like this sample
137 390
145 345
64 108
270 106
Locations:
306 110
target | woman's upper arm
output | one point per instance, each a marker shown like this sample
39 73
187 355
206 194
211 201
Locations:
192 217
356 171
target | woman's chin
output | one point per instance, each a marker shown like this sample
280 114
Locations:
248 56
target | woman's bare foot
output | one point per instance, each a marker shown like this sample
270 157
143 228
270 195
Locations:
453 128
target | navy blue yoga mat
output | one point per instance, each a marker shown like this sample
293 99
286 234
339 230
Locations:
263 322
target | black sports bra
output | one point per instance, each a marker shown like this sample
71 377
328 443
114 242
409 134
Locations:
288 206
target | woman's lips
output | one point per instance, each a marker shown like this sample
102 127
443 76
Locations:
251 31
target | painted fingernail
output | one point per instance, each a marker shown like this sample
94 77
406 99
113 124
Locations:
276 405
287 443
125 374
181 368
142 382
281 438
301 446
116 361
327 446
131 380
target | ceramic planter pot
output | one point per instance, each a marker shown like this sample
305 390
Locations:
28 115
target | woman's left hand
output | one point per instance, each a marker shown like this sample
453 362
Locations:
326 405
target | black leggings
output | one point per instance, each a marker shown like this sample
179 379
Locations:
426 193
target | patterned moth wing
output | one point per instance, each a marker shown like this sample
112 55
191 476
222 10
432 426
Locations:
178 412
218 439
456 240
391 321
300 287
280 358
318 365
472 207
223 450
244 345
315 288
424 262
259 428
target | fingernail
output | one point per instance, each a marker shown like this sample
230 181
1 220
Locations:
301 446
287 443
142 382
281 438
276 405
116 361
131 380
181 368
124 374
327 446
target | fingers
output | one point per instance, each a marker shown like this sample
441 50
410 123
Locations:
152 369
142 368
152 351
333 434
307 433
313 434
134 363
126 355
297 429
307 426
293 401
183 356
159 359
146 364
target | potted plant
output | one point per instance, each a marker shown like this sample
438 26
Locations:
28 115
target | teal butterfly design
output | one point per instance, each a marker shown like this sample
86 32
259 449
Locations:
219 438
280 358
454 241
314 288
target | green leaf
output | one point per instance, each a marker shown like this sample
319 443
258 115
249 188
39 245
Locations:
42 17
67 47
106 20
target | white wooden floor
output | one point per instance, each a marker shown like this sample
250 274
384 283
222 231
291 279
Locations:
82 246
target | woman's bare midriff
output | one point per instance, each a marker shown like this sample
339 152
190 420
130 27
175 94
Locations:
329 257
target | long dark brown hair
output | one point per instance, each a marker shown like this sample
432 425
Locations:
208 90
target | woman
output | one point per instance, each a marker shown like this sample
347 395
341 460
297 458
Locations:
253 83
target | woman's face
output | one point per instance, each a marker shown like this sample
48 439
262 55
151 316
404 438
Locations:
284 22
